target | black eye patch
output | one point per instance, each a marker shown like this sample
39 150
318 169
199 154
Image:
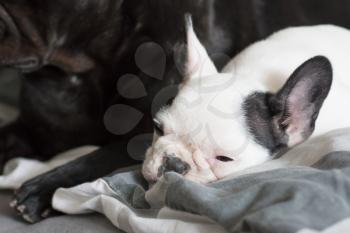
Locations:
158 127
170 101
259 115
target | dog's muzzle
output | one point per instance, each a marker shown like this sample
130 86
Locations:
173 164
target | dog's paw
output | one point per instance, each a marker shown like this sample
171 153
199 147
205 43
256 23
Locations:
32 201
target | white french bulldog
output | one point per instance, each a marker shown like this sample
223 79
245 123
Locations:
274 95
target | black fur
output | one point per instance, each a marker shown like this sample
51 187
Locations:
266 112
71 54
259 118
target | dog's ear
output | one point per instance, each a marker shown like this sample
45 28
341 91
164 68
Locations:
296 106
198 62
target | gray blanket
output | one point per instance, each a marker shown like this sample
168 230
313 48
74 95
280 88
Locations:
282 200
285 200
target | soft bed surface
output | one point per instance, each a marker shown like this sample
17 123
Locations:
10 223
305 190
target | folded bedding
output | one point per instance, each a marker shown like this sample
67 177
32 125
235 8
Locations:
306 190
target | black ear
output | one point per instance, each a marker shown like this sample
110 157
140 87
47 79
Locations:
296 106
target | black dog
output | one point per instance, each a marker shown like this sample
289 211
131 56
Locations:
72 53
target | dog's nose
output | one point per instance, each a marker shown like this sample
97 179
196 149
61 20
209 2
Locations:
174 164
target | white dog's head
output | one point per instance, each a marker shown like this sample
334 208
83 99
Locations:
219 124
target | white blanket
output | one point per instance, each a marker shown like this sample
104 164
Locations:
99 197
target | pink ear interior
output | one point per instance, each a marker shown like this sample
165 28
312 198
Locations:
299 101
299 111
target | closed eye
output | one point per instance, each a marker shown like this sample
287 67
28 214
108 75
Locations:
158 127
223 158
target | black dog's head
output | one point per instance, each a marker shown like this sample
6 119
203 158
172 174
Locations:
64 50
72 54
101 35
72 35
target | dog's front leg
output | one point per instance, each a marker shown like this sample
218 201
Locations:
13 143
33 199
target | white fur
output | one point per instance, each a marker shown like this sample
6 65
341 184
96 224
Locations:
270 62
198 62
206 118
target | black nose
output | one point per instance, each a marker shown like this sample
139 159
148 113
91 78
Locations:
173 164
